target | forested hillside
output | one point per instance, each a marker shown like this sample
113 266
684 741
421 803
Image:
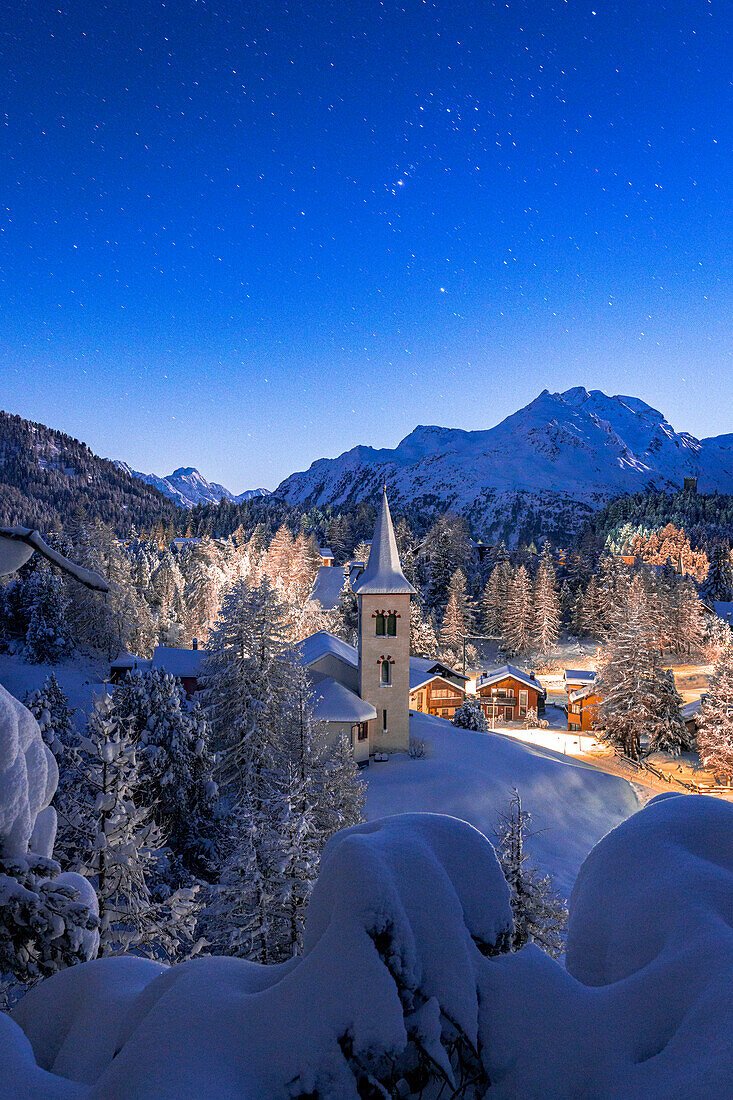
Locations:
707 518
46 475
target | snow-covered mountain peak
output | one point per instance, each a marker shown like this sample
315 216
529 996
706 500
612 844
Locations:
187 487
551 462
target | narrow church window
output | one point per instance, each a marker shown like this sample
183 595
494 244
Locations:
384 721
386 672
392 624
380 623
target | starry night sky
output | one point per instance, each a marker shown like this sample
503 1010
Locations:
242 236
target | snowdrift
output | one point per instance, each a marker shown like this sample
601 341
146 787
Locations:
400 966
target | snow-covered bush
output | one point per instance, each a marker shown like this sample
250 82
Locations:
417 748
47 920
540 915
470 715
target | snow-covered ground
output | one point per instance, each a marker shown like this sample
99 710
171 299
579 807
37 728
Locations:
471 776
80 678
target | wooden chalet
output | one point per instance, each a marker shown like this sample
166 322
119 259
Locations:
508 693
185 664
435 688
582 709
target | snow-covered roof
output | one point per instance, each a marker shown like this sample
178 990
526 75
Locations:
581 693
324 644
178 662
579 676
492 676
325 552
383 573
327 586
424 669
130 660
689 710
332 702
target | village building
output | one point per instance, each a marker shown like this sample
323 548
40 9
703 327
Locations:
185 664
508 693
582 709
435 688
691 714
577 678
376 673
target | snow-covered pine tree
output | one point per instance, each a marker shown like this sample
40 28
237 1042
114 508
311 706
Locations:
587 615
423 641
518 629
493 601
546 603
243 678
47 636
629 677
718 584
50 707
540 914
117 841
303 569
347 612
46 924
176 764
361 551
470 715
666 729
279 558
448 548
453 626
715 722
343 791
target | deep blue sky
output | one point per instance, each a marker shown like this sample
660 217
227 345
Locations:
242 236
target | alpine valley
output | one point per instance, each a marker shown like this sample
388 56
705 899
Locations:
544 468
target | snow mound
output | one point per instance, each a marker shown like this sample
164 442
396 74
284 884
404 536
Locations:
28 776
400 916
400 957
645 1008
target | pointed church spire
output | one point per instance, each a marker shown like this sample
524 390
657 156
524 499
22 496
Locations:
383 573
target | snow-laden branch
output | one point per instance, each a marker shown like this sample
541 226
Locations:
17 544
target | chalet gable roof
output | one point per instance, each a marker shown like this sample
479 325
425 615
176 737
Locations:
494 675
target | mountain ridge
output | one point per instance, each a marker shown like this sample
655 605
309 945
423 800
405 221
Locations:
562 456
187 487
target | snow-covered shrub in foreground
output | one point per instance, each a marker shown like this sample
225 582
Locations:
47 920
399 971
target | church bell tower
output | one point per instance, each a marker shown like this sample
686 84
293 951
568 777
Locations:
384 593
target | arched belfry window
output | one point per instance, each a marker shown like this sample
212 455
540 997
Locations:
386 672
380 623
391 624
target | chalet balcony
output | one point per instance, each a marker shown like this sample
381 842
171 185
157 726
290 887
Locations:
500 700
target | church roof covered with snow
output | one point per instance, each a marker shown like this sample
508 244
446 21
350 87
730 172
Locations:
323 644
383 573
332 702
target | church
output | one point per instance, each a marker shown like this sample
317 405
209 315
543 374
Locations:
363 691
